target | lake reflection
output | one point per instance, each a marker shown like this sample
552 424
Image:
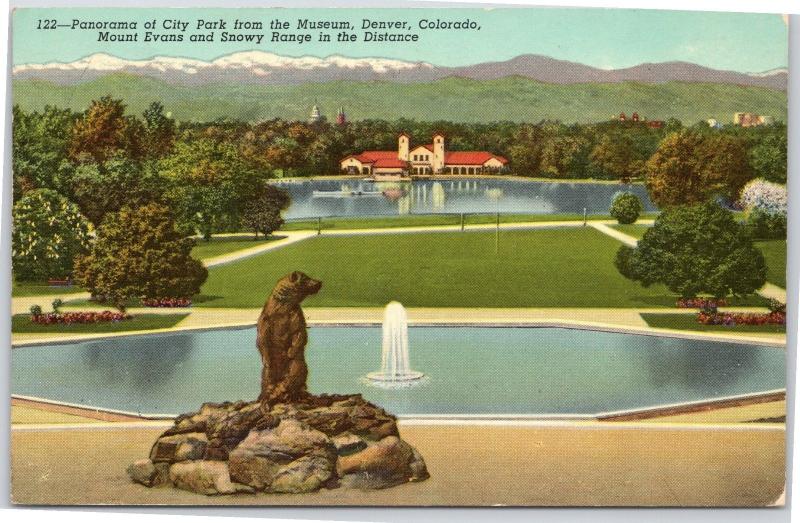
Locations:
473 195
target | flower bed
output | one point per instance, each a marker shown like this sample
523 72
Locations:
741 318
70 318
167 302
700 303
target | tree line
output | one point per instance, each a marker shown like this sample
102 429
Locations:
213 175
143 183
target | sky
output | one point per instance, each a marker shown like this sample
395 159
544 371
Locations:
605 38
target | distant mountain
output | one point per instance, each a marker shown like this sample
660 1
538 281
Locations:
550 70
258 67
511 98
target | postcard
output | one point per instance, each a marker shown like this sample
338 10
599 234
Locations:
398 257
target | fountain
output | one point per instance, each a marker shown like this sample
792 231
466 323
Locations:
395 367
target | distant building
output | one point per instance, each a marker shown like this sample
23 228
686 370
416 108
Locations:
622 117
422 159
751 119
713 123
341 119
315 116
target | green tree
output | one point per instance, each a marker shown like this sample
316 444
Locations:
103 131
564 157
159 137
139 253
39 149
262 212
117 183
768 158
695 250
208 180
690 168
48 233
615 157
626 207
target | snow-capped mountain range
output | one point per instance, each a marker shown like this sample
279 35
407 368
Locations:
268 68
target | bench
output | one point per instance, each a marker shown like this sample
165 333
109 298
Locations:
52 282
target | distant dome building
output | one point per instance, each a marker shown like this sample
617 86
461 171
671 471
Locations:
315 116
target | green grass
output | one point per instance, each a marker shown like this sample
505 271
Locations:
22 324
775 255
565 267
24 289
455 99
634 229
226 244
434 219
689 322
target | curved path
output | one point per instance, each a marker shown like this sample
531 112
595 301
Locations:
288 238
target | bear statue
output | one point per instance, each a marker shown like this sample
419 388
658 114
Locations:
288 440
281 340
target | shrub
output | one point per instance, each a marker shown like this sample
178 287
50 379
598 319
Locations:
36 310
626 207
776 306
262 212
700 303
766 205
766 226
139 254
768 197
732 319
696 250
70 318
48 233
57 303
167 302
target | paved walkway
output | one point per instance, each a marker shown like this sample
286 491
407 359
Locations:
475 227
773 291
617 235
289 237
627 320
581 464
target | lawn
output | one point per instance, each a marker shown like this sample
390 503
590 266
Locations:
226 244
634 229
564 267
689 322
24 289
421 220
775 255
22 324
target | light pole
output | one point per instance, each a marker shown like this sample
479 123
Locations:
497 232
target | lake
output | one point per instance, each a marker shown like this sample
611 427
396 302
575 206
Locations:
327 198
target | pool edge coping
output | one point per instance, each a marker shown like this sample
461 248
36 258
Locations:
558 324
636 414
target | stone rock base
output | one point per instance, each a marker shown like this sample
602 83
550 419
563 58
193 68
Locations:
327 441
